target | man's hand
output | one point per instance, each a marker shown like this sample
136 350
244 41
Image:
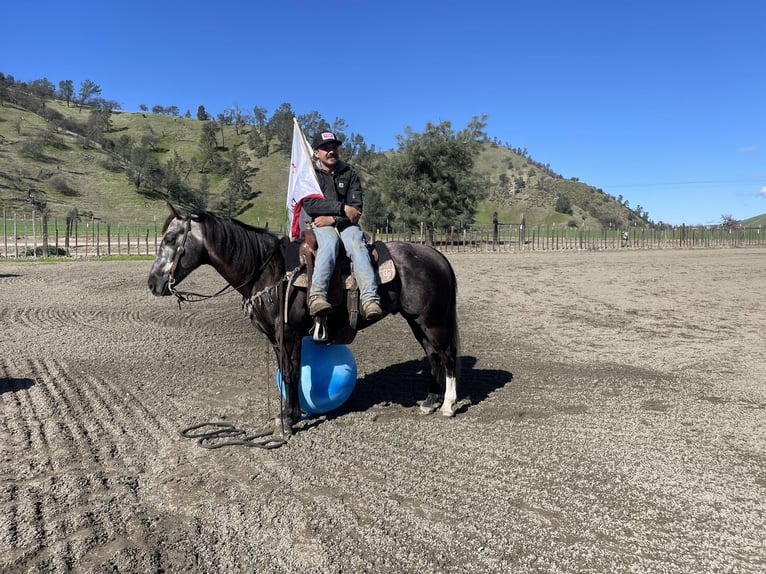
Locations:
324 221
352 213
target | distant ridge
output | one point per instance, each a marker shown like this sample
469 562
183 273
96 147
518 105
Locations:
53 161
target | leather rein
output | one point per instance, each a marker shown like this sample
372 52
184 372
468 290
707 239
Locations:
190 297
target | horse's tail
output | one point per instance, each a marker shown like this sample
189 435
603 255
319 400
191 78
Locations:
452 316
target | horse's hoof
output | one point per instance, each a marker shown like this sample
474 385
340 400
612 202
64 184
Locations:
430 403
448 412
283 428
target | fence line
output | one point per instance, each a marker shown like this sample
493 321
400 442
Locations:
515 237
34 235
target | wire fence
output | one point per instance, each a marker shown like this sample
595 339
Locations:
33 235
517 237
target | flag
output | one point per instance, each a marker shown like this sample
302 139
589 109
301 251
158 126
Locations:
302 182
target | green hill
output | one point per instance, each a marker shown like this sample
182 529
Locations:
68 170
46 157
757 221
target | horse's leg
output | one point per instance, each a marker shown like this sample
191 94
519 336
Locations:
289 360
445 338
442 357
449 359
444 371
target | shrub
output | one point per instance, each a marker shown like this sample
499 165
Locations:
610 221
60 184
33 148
564 205
39 251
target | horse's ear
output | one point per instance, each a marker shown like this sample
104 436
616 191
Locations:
175 212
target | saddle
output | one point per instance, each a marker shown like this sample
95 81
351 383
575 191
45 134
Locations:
343 289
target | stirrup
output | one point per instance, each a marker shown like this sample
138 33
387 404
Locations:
320 329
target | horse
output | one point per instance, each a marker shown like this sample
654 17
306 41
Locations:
254 262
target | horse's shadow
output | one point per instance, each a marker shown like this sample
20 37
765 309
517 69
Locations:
406 384
13 384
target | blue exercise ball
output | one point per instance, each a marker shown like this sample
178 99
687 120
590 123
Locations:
328 376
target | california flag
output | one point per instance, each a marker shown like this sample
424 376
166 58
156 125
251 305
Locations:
302 182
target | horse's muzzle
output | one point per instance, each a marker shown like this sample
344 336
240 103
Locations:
158 286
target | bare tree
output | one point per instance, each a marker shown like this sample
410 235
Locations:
66 90
88 89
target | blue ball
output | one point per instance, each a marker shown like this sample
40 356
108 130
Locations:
328 376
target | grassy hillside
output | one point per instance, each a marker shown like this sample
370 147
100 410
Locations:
40 162
68 171
520 186
757 221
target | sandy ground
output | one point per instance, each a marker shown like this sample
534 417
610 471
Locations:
611 419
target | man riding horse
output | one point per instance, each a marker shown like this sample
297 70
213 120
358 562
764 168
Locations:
335 220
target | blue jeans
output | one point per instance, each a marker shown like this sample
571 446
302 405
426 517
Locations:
328 247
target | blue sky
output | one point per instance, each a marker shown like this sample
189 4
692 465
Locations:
660 102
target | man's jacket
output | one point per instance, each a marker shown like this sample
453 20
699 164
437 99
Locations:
342 187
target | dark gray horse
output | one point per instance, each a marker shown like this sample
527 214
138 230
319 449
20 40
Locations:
253 261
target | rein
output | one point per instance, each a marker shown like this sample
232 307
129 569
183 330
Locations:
191 297
207 432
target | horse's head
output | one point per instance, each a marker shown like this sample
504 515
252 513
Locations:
182 250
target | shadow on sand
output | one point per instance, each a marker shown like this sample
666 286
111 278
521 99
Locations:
12 384
407 383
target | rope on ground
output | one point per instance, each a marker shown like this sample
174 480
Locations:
222 430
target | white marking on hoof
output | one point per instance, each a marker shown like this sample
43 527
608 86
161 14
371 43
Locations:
450 397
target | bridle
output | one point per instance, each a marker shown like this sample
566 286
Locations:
188 296
179 253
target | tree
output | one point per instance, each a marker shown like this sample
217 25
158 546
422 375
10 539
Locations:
430 179
66 90
281 126
312 123
224 119
123 146
204 188
202 115
43 88
375 213
140 164
207 143
238 188
88 89
238 117
564 204
258 138
259 113
175 175
355 151
5 82
99 122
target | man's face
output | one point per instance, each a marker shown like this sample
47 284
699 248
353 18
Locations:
327 154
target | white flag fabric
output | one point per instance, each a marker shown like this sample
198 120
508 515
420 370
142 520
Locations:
302 182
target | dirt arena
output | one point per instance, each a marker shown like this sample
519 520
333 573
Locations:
611 418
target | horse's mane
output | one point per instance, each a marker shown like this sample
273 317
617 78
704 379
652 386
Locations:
244 245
